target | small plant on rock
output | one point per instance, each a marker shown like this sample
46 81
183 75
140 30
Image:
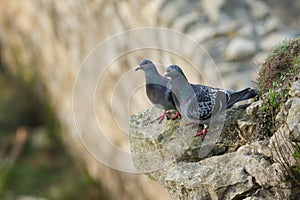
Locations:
281 67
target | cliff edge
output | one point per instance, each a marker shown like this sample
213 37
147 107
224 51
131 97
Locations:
256 156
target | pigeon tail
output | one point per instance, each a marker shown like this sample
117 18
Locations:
247 93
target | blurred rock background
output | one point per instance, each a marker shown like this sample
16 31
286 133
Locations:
43 44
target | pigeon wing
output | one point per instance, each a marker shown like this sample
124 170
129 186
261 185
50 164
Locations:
202 103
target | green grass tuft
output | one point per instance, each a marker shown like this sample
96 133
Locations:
280 67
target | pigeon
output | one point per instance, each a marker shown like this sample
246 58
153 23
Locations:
158 89
198 103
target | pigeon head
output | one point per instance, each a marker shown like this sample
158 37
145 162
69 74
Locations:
145 65
174 71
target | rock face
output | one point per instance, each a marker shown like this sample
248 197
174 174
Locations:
47 41
168 152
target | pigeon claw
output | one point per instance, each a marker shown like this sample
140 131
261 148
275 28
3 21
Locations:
162 116
165 114
201 132
177 115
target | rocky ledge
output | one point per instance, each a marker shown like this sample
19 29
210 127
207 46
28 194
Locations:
220 167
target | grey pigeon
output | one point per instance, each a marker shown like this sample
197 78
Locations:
198 103
158 89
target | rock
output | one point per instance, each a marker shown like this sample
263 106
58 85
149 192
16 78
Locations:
267 26
254 198
295 91
290 112
283 113
203 33
225 29
259 9
161 141
172 10
254 107
247 31
181 22
287 11
234 9
247 127
235 80
167 153
239 49
259 58
260 147
282 149
226 68
254 171
293 119
212 8
282 142
273 39
208 179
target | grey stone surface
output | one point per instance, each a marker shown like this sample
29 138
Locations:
254 107
168 153
239 49
273 39
259 9
293 119
158 151
295 89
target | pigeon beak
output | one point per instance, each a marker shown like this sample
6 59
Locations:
138 68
